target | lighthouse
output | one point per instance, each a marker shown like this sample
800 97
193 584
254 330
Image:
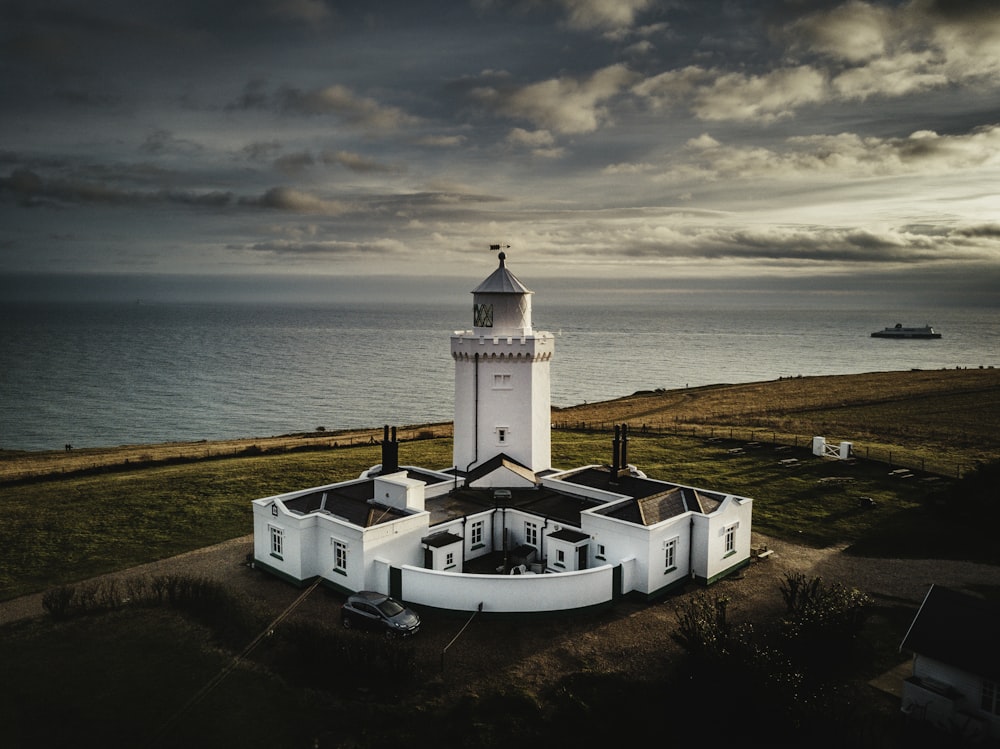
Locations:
502 381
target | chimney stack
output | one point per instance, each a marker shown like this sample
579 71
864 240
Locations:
390 451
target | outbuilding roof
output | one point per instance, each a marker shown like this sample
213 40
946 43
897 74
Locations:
958 629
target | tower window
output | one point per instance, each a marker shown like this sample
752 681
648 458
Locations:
502 435
482 315
501 382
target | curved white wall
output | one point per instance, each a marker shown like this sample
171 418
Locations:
509 594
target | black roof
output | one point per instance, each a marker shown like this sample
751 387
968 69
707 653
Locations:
958 629
352 502
500 461
567 534
441 538
649 501
603 478
540 501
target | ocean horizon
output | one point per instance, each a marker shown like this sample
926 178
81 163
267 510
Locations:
101 374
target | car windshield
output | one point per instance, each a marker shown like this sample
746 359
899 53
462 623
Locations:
389 607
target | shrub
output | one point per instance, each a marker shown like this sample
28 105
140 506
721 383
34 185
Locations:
56 601
702 628
822 620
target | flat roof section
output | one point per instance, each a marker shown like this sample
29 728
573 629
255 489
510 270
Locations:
541 501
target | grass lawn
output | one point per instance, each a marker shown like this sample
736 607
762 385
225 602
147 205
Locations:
62 530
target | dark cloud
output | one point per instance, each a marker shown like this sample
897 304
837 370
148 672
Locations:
991 231
330 248
603 136
261 150
294 163
163 141
336 100
30 189
356 162
297 201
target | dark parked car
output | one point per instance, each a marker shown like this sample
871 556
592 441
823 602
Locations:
377 611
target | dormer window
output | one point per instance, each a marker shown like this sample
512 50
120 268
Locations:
482 315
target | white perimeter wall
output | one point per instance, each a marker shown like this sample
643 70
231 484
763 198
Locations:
508 593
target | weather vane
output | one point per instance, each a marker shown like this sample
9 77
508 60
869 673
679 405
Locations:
499 246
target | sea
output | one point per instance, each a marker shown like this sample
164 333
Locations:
98 374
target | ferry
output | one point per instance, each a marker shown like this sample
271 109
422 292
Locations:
900 332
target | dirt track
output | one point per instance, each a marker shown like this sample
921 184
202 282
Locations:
625 639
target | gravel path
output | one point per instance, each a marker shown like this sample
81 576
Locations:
627 638
906 580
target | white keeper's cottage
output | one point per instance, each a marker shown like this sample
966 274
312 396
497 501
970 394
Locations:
544 539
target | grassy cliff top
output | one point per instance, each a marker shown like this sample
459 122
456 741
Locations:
922 411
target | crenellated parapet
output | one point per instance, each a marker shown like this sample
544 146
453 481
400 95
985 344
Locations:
537 346
503 356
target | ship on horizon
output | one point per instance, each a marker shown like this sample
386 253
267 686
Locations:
900 332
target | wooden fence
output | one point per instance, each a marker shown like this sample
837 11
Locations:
941 464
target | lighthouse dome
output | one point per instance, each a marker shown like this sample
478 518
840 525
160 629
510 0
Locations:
502 304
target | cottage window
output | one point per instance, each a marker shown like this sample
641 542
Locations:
561 558
449 559
476 534
731 540
277 542
340 557
990 700
670 555
531 534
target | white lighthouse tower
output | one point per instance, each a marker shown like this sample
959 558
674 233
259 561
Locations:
502 383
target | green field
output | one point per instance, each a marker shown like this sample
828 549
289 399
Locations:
136 675
60 530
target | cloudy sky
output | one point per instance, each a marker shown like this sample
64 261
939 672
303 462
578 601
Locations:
681 142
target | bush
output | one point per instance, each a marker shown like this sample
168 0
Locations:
702 628
232 620
822 621
56 601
